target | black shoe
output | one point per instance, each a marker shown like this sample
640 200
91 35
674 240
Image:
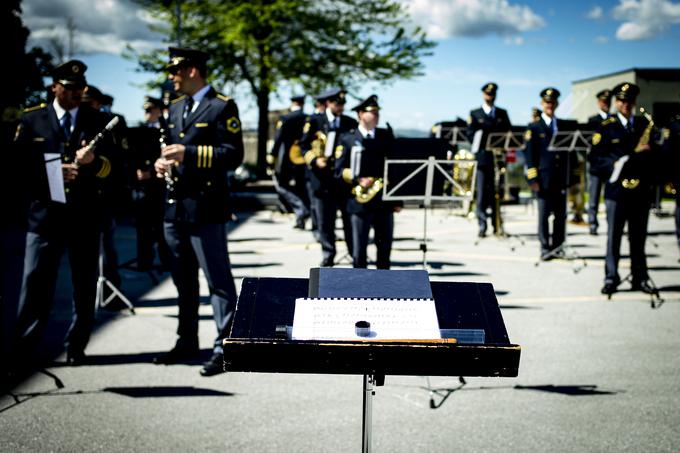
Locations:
76 358
559 254
481 234
213 366
593 231
299 224
327 262
609 288
176 355
645 286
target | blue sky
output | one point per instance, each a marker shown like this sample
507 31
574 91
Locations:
523 46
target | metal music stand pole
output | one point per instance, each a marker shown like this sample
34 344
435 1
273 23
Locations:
102 281
366 421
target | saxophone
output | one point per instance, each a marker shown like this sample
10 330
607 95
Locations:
365 194
644 138
633 183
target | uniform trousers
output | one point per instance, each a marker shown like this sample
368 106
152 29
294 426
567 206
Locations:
204 245
326 213
595 184
294 197
382 222
636 214
147 206
551 202
485 194
41 267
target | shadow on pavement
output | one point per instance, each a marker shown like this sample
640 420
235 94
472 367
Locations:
164 392
126 359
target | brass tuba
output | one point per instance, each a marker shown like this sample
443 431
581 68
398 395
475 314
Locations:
365 194
295 154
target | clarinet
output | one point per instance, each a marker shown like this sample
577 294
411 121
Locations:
170 174
98 138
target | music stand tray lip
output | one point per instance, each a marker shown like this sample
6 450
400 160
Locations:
370 357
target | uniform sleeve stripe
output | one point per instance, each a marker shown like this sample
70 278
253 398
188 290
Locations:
201 153
105 169
210 156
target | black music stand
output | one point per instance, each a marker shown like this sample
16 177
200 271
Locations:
417 170
260 336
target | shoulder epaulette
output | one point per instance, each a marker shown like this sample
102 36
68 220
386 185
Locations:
609 120
35 107
223 97
181 98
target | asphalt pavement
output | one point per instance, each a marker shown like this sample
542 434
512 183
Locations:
595 374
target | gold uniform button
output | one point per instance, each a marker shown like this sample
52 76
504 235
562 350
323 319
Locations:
67 190
147 162
209 183
66 159
181 135
175 178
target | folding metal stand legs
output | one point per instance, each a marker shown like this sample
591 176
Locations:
370 382
655 299
102 281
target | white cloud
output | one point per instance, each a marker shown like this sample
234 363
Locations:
514 40
645 19
101 26
473 18
595 13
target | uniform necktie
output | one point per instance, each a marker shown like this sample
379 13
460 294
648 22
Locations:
66 126
188 106
369 135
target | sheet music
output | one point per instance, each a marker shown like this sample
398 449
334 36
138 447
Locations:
330 143
618 166
335 319
477 141
55 177
355 160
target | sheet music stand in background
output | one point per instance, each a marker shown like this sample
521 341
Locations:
567 142
101 301
417 170
260 336
499 143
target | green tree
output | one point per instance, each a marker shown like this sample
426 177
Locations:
23 85
311 45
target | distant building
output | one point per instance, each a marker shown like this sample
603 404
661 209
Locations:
660 92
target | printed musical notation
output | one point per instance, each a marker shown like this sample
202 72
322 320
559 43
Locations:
335 319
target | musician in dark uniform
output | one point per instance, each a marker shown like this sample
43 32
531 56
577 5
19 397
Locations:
628 165
671 162
595 179
206 142
66 210
547 176
148 192
361 164
488 118
329 194
290 175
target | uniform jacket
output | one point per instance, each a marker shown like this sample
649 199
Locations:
611 142
323 181
372 164
214 145
40 133
143 149
548 168
288 133
500 122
